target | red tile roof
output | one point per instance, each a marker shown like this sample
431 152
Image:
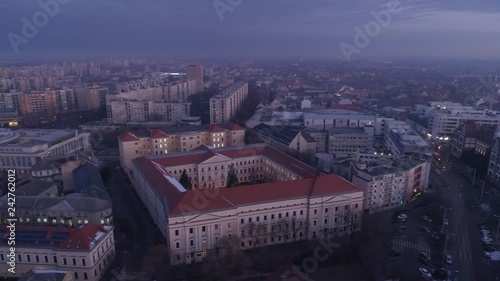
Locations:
157 133
180 201
127 136
216 129
83 238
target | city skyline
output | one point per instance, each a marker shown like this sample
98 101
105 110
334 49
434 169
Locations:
415 29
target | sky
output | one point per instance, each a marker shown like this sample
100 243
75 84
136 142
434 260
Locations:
253 28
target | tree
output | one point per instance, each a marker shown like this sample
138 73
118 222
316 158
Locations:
351 222
184 180
232 179
225 261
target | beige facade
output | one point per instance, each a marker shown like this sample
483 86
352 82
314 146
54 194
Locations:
296 204
390 184
75 253
224 105
157 142
125 111
345 142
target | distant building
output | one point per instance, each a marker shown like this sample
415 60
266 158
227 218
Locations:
306 104
494 163
389 184
224 105
86 252
471 137
176 139
195 71
91 97
24 148
374 155
126 111
443 121
401 139
88 181
345 142
296 204
223 76
286 139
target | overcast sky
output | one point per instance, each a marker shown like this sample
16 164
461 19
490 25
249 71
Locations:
193 28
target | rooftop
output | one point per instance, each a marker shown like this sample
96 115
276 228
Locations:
34 188
229 91
180 201
83 238
47 275
340 130
72 202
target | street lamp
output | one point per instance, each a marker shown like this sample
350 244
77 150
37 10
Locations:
474 177
482 191
445 244
444 217
498 229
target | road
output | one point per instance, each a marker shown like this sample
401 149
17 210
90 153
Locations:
466 245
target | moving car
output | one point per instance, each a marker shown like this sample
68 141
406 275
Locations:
426 273
427 219
448 259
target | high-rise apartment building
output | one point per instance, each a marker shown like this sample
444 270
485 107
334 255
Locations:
195 71
125 111
224 105
38 108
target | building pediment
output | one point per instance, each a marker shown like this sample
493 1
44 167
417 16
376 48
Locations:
216 159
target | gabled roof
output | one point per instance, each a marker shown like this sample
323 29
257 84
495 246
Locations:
180 201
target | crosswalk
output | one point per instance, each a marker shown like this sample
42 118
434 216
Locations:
422 247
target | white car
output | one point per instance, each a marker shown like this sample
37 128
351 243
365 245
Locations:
485 232
427 219
445 221
426 273
487 240
402 216
448 259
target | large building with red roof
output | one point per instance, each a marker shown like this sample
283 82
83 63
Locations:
86 251
177 139
295 202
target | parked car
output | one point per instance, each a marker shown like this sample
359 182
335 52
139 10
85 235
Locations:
445 222
402 216
485 232
426 273
425 259
489 248
427 219
487 240
448 259
426 230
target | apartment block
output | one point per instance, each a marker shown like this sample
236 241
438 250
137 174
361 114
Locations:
195 71
224 105
296 203
345 142
177 139
91 97
472 137
125 111
389 184
86 252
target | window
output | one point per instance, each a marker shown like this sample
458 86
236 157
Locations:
326 210
76 275
85 276
286 214
228 224
204 241
203 228
272 217
55 259
314 223
265 217
191 242
216 226
279 216
37 258
74 261
257 218
326 221
46 259
242 220
83 262
28 257
315 212
177 233
249 219
294 213
64 261
301 212
177 245
191 230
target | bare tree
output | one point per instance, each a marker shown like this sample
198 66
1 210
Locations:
352 222
225 261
